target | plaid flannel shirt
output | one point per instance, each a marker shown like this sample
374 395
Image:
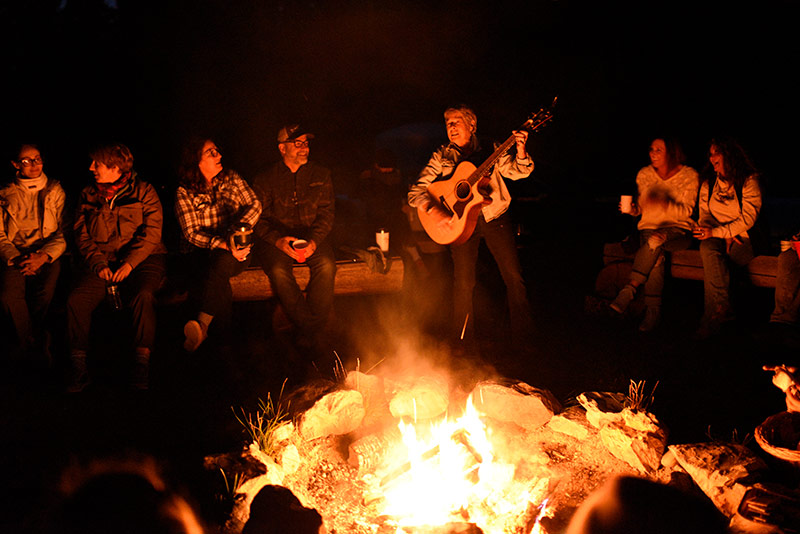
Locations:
205 217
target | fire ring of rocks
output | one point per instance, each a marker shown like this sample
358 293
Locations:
416 454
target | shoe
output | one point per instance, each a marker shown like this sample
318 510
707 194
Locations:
140 377
79 375
195 335
623 299
652 316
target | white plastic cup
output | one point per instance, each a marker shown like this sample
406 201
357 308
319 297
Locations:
382 239
625 203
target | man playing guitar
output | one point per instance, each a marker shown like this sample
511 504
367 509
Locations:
493 223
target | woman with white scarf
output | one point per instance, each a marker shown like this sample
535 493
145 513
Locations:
31 243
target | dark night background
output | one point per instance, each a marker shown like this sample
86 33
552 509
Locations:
149 73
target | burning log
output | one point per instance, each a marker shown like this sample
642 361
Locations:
460 436
369 452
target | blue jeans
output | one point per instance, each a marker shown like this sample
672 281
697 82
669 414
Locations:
716 274
309 312
648 263
499 237
787 288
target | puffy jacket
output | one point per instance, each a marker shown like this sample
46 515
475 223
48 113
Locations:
50 238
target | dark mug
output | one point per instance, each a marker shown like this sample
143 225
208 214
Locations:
240 236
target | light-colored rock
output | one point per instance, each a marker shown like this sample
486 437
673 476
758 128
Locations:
724 471
336 413
602 406
371 388
641 449
290 459
283 432
572 422
518 403
418 398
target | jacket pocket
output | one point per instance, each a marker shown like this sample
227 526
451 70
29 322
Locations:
130 219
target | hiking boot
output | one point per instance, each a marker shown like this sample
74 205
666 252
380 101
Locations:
623 299
195 333
79 374
652 315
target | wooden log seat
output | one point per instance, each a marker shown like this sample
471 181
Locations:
353 277
687 264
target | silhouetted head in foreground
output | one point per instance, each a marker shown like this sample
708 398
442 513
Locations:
123 498
628 505
276 510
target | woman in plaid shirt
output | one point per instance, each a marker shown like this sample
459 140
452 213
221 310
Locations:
209 200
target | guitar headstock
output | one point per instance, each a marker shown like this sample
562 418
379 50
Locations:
540 118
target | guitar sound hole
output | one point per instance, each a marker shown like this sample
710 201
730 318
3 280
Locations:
462 190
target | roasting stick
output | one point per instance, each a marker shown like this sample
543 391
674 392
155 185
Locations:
464 328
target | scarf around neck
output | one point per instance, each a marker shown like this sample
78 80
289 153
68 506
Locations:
32 185
108 191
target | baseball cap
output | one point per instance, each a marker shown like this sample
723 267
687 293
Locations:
292 132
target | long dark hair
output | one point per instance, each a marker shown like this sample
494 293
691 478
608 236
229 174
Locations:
189 175
675 155
737 164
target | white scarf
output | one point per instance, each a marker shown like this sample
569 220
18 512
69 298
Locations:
32 185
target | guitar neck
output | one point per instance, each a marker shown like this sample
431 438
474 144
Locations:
487 165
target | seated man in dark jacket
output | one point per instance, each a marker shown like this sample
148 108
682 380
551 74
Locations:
298 210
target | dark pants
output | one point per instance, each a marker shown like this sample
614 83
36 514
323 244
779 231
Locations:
26 299
716 274
787 288
216 296
138 293
309 312
499 237
648 264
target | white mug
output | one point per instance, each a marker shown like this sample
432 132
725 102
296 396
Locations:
625 203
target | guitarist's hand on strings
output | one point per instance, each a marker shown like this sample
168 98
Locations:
521 138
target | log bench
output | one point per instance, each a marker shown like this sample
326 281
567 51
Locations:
686 264
353 277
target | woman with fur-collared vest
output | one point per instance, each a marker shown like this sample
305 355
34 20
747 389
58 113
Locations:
31 245
118 233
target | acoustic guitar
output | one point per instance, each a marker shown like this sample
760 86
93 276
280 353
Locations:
460 198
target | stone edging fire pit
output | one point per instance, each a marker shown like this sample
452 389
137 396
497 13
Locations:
523 464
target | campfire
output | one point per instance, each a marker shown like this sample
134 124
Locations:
418 454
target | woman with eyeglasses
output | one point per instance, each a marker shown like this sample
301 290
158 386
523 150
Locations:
31 245
729 205
209 202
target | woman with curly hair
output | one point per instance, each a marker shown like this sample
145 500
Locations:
729 205
209 201
667 196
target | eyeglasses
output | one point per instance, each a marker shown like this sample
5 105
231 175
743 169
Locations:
297 143
212 152
30 162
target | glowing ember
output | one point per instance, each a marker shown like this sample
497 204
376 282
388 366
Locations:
448 472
